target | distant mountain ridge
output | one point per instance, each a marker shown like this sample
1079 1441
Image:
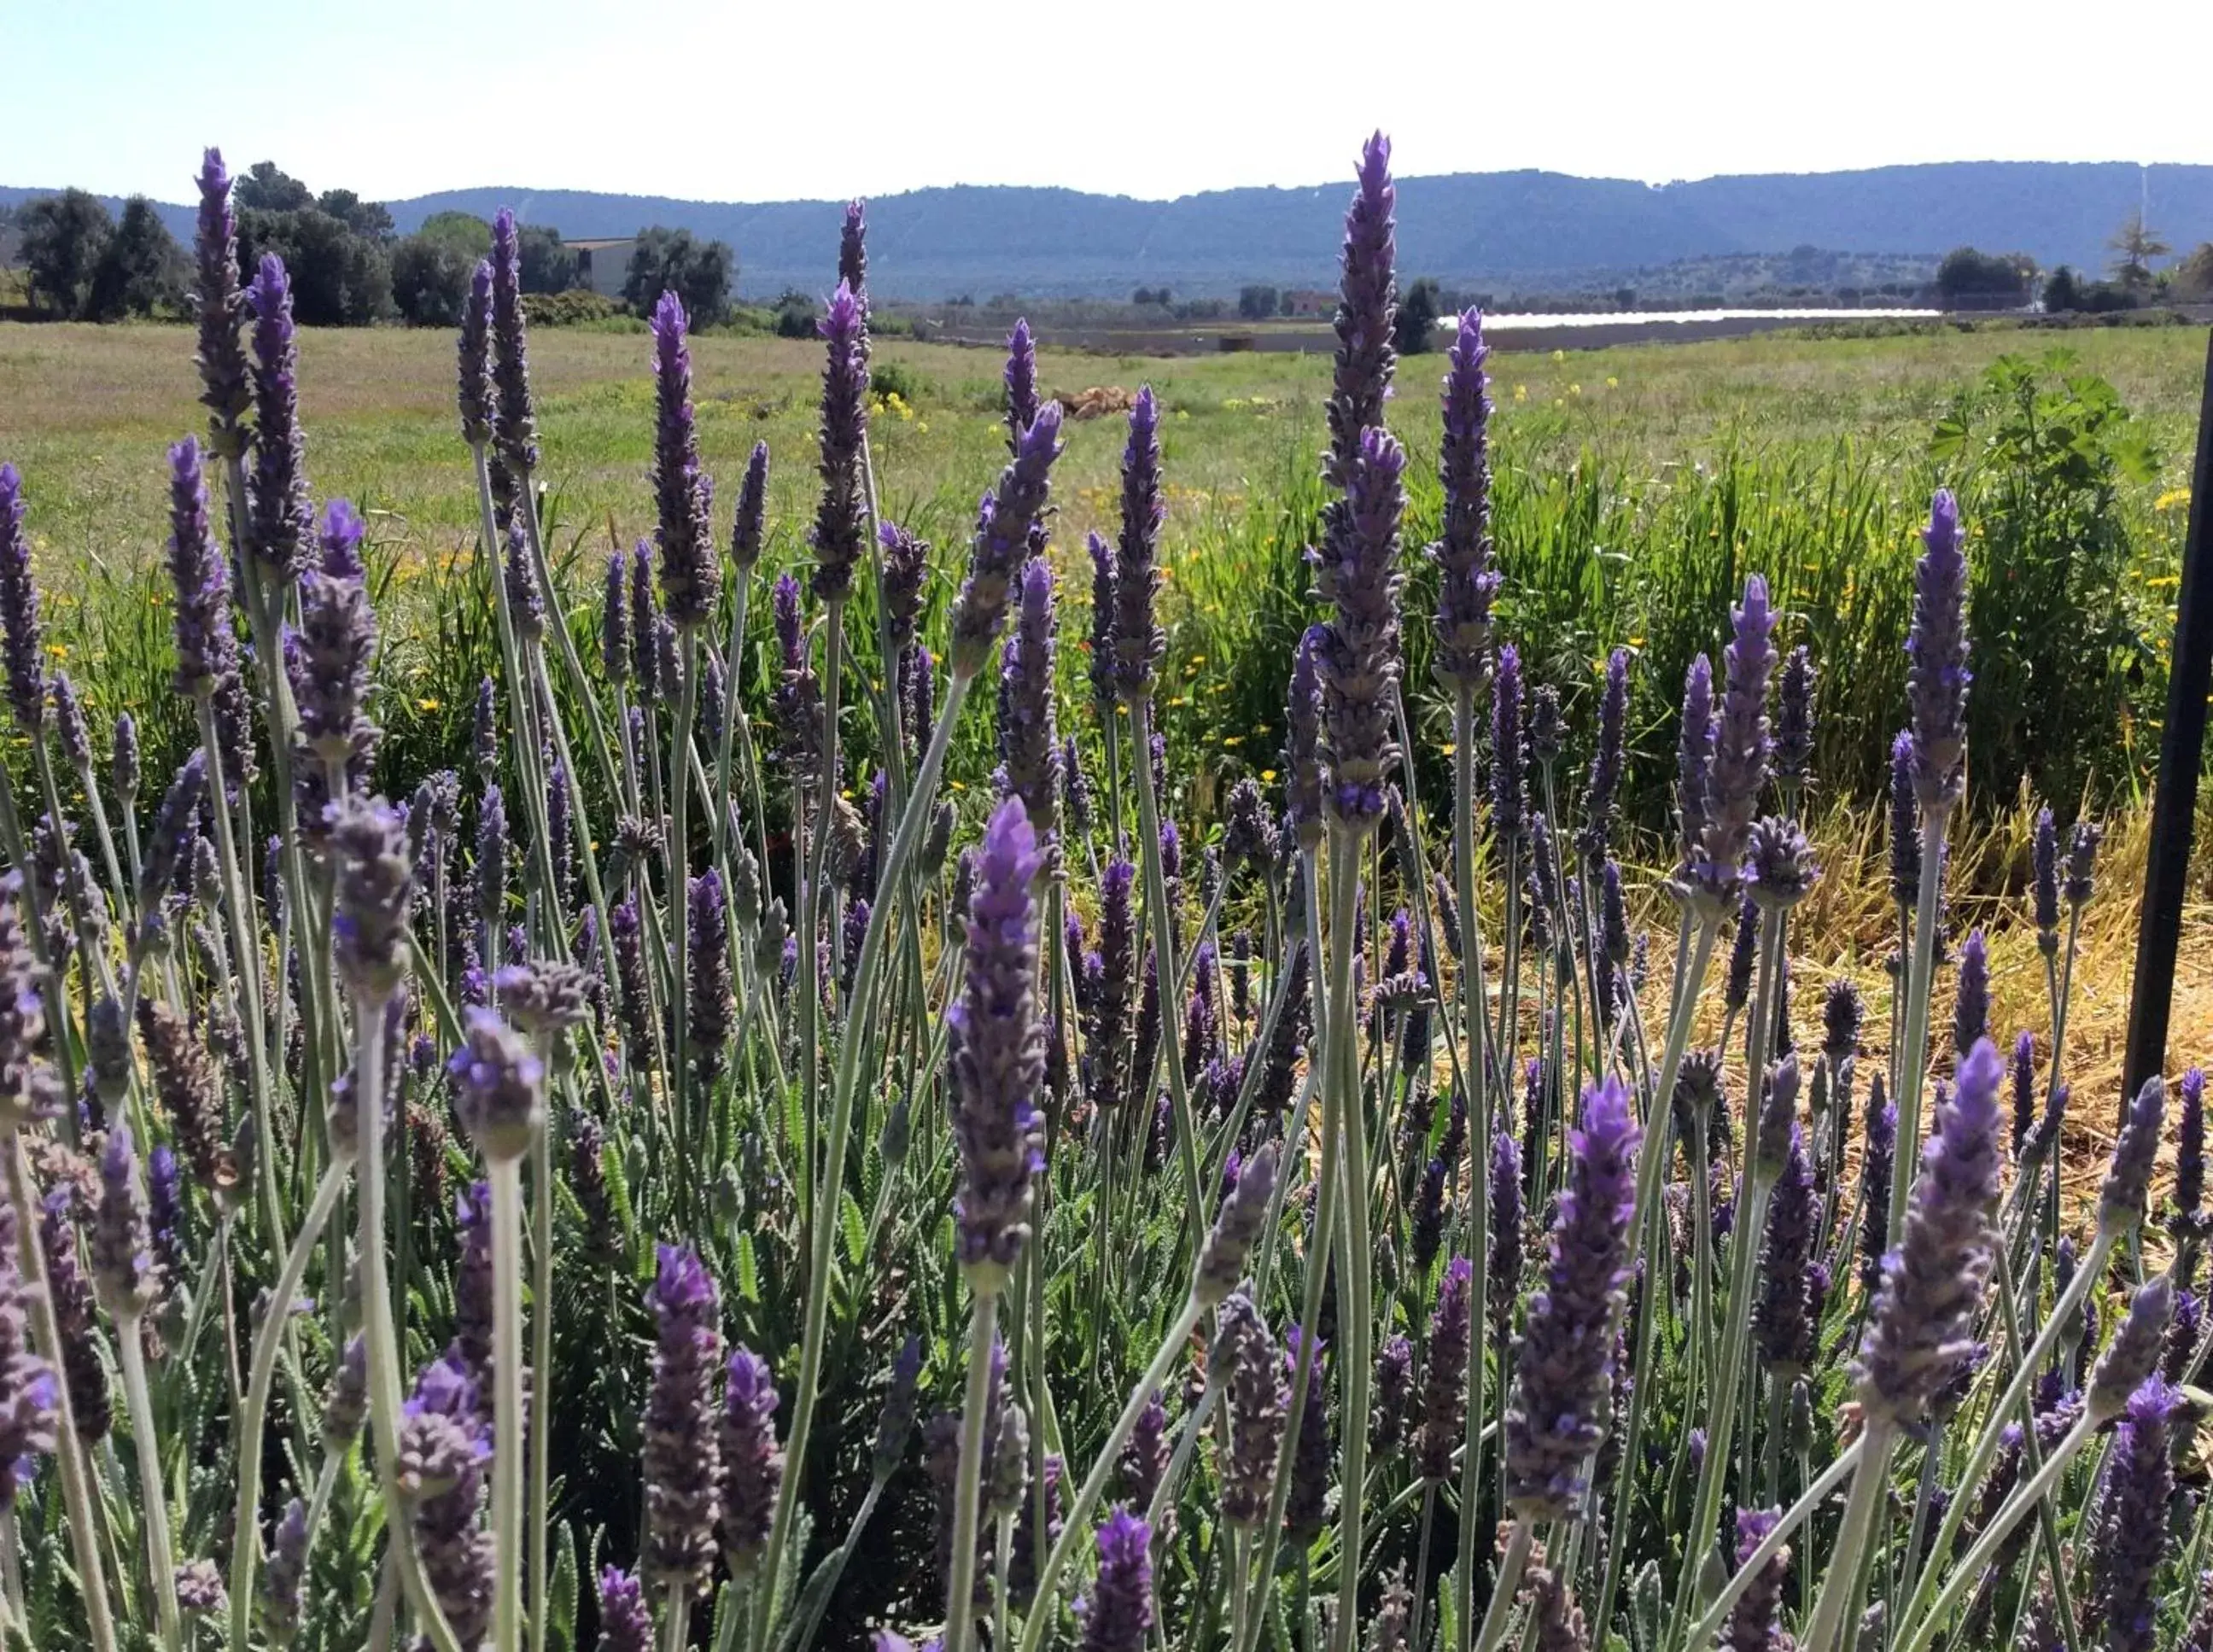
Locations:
1465 229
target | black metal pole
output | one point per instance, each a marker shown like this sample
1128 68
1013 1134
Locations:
2181 754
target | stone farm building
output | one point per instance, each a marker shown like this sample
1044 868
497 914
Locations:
603 265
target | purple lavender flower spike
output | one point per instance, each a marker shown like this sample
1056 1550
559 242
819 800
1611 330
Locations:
1505 1259
614 622
2021 1074
853 245
329 659
1786 1322
287 1574
219 306
498 1085
1694 763
1394 1396
1742 745
122 759
838 517
752 1462
1755 1621
2133 1355
1444 1375
2190 1151
905 566
1002 541
1139 642
29 1395
473 359
625 1619
122 1243
1244 1213
797 700
1118 1614
71 732
1508 752
339 537
1029 746
207 648
1563 1392
644 620
690 572
444 1444
375 882
1601 801
1904 823
1021 376
280 527
1970 1014
2132 1540
999 1058
19 610
1302 782
709 999
1307 1497
1922 1322
1367 308
1250 1372
1937 677
2128 1177
491 857
1794 718
748 521
2081 861
84 1368
515 420
683 1447
1355 571
1466 583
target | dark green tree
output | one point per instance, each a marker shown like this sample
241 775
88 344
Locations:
1258 303
1985 278
338 278
671 260
141 270
265 188
1414 332
2135 245
2063 290
64 236
795 315
548 267
364 217
430 279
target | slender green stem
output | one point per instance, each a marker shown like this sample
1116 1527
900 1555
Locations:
1164 953
377 1325
541 1360
1511 1565
505 1175
1356 1274
268 1340
968 1487
161 1558
1870 1490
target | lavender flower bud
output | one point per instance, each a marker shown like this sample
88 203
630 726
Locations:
1694 762
1244 1213
1367 308
1936 653
2128 1177
28 1394
682 1452
898 1419
1002 541
752 1462
335 646
525 602
122 1246
1466 583
1444 1375
1245 1361
1144 1460
84 1368
286 1575
905 566
514 422
1302 743
2021 1071
644 620
199 1588
1394 1396
1139 642
2132 1357
1286 1044
1601 801
472 358
1740 747
71 733
1565 1371
1784 1322
2132 1541
836 534
19 610
691 572
1794 718
999 1060
852 247
491 855
1356 572
1923 1321
444 1443
1020 378
219 306
1119 1615
709 1000
2081 861
625 1619
2044 863
498 1086
1306 1504
1029 741
1780 870
2190 1151
345 1405
1876 1166
1508 752
1904 822
1970 1014
279 524
1755 1621
1505 1260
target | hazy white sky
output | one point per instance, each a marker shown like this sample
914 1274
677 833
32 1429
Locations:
767 100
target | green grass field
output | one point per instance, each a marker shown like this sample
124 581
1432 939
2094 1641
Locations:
1635 488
